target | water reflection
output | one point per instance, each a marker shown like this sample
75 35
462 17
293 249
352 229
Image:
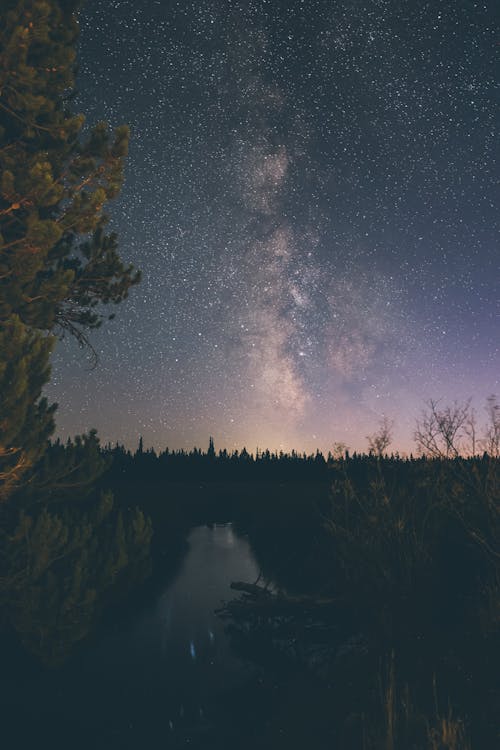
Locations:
158 670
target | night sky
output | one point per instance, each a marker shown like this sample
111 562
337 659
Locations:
311 194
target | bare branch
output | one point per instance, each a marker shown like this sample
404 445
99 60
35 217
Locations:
380 440
440 431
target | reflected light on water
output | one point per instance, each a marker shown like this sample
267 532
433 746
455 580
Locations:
230 540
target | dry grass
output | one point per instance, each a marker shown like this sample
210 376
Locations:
449 734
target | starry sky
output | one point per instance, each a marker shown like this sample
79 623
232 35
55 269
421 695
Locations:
312 197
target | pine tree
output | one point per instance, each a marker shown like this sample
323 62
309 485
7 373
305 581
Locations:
57 266
72 467
211 448
58 566
26 421
54 184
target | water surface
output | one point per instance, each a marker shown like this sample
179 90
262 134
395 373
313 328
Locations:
156 675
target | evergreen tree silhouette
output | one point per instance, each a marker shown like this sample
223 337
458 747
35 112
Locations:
57 265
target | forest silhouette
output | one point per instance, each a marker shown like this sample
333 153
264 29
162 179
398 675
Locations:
378 571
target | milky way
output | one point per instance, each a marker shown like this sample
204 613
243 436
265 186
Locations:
311 196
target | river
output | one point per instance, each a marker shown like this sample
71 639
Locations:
159 675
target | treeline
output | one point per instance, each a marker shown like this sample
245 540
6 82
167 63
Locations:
196 465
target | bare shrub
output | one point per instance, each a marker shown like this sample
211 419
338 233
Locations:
381 440
440 432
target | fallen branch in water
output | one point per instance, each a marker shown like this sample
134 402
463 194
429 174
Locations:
258 600
303 629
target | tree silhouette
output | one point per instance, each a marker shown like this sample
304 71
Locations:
440 431
54 183
491 440
26 421
57 265
381 440
211 448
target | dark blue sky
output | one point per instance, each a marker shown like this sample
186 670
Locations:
312 197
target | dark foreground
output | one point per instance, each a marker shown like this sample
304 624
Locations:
367 617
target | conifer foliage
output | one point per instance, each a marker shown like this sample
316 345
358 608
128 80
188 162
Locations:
25 420
54 183
57 265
